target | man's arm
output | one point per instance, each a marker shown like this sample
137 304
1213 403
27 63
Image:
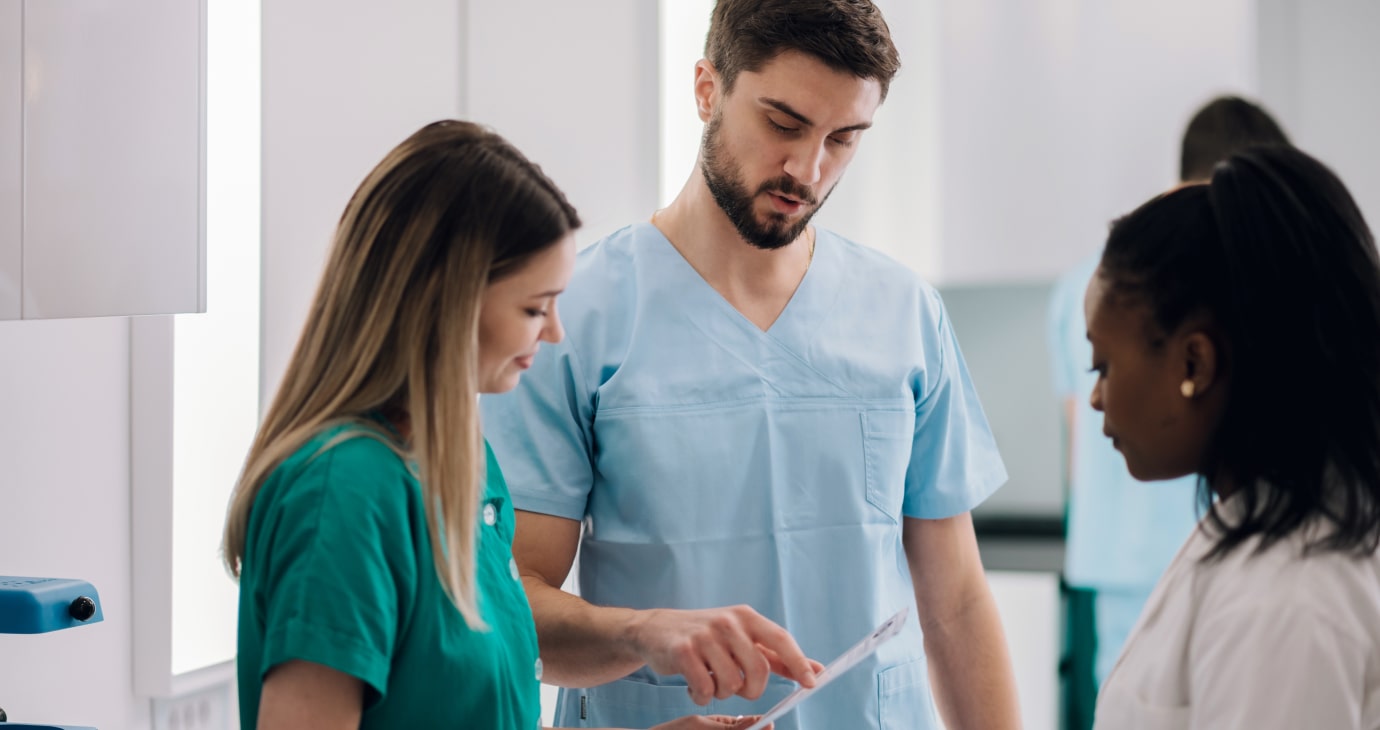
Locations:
720 652
970 668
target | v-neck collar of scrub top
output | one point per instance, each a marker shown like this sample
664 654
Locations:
799 320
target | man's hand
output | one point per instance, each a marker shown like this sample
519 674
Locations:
721 652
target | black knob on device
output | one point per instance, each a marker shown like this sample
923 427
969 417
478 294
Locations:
82 609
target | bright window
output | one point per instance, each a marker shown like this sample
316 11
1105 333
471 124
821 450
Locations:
684 24
216 354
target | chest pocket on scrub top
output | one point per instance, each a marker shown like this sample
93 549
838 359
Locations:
888 437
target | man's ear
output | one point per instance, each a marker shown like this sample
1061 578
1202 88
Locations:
706 89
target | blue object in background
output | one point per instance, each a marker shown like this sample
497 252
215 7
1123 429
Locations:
41 605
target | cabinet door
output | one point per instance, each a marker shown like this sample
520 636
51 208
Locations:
113 167
1317 63
10 157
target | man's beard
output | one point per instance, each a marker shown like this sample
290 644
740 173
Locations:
726 184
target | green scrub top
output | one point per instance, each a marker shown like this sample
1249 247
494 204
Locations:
338 570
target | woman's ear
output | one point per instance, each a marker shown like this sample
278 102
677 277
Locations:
706 89
1201 363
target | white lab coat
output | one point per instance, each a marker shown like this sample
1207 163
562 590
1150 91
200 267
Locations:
1252 642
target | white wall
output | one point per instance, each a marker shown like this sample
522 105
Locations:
1058 115
1030 610
11 151
344 81
1318 75
65 513
578 95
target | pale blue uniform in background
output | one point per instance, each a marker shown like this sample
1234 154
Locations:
715 464
1122 533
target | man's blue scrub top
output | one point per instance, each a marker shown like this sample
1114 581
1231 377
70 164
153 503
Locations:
715 464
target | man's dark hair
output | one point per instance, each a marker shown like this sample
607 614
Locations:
846 35
1223 127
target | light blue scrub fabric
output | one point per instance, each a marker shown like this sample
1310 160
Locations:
1122 533
715 464
1115 613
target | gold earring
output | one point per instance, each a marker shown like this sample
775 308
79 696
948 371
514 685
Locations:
1187 388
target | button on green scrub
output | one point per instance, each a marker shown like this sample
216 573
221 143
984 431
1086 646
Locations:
338 571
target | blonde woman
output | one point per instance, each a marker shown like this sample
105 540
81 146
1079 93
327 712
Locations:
371 530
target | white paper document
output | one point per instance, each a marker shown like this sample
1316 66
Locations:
884 633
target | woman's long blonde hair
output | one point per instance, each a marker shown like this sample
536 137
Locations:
394 325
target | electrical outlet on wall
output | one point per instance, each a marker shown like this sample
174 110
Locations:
206 709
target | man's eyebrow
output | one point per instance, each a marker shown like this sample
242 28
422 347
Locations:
786 109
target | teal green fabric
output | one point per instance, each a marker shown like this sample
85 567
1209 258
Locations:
1077 677
338 571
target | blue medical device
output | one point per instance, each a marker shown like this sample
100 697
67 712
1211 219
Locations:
40 605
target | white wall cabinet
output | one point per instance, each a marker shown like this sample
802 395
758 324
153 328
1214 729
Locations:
107 128
1317 65
11 124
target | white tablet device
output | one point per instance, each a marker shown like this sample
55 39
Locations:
884 633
